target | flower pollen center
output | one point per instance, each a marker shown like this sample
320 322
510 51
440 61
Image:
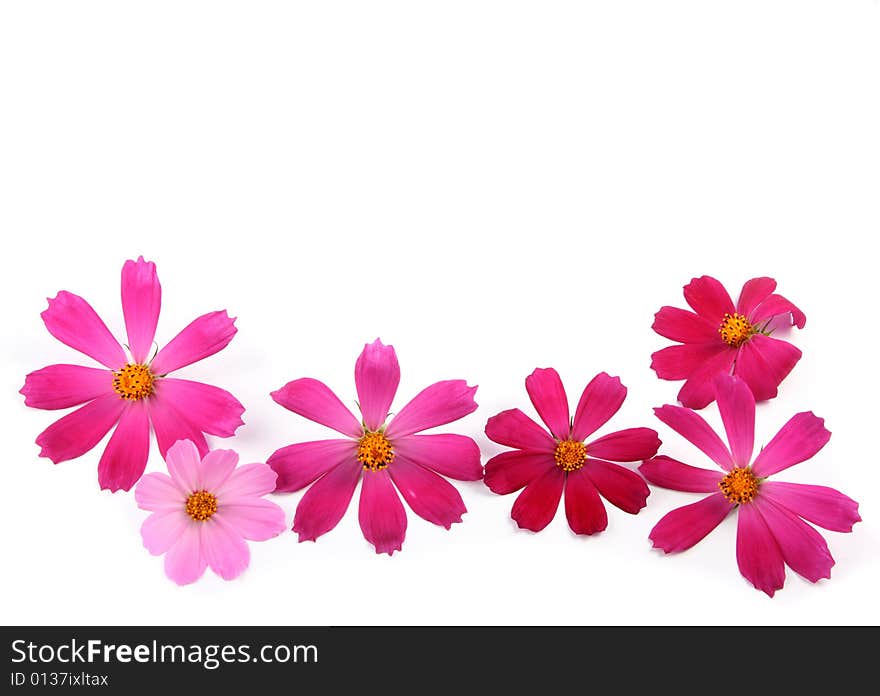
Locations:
735 329
133 382
739 486
201 505
375 451
570 455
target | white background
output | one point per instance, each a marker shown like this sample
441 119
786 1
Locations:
488 186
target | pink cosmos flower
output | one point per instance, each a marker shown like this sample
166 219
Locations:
204 511
544 464
384 454
770 532
720 338
130 391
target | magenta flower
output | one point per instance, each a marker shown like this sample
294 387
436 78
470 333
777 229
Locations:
770 532
719 338
204 511
130 391
386 455
544 464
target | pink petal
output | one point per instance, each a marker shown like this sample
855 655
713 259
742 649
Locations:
683 527
158 492
254 518
324 504
209 409
72 321
619 486
514 428
668 473
381 514
798 440
201 338
78 432
161 530
550 401
429 495
184 562
680 362
63 386
438 404
183 460
823 506
736 404
754 292
708 298
215 469
141 301
125 457
763 363
803 548
455 456
774 306
685 327
536 506
699 389
757 553
376 376
697 431
509 471
583 506
300 464
224 549
170 425
630 445
314 400
601 399
248 481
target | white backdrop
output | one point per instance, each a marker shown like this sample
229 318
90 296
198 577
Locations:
488 186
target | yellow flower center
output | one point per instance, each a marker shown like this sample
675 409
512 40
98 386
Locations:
739 486
133 382
201 505
375 451
735 329
570 455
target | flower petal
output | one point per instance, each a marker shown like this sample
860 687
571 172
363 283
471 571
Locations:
699 389
803 548
248 481
798 440
376 376
630 445
314 400
753 293
583 507
619 486
141 301
680 362
685 327
209 409
454 456
184 562
381 514
215 469
438 404
158 492
698 432
550 401
774 306
763 363
300 464
324 504
757 553
708 298
669 473
601 399
201 338
63 386
536 506
514 428
161 530
171 425
125 457
429 495
183 460
72 321
254 518
683 527
823 506
736 404
509 471
224 549
79 431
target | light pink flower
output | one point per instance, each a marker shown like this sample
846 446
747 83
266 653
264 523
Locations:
720 338
771 532
130 391
204 511
385 455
